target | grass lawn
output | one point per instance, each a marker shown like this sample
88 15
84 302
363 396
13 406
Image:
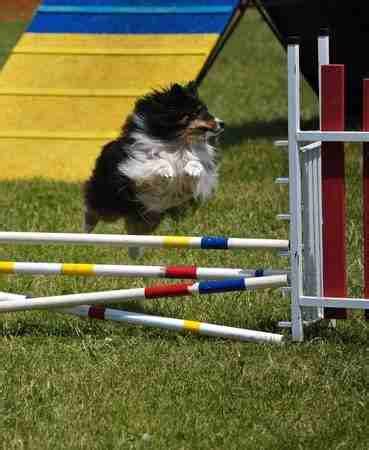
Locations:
75 384
9 34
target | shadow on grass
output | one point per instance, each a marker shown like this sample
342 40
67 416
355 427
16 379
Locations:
24 328
95 330
236 134
349 332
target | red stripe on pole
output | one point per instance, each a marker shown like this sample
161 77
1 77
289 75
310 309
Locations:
167 290
333 187
97 312
189 272
366 191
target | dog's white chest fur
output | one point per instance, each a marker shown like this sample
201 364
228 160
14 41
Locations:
167 175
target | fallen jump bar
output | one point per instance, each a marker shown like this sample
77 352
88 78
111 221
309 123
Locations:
166 323
160 291
204 242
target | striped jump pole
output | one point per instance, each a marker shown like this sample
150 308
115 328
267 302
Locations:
203 242
184 272
166 323
160 291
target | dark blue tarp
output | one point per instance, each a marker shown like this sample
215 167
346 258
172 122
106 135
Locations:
348 22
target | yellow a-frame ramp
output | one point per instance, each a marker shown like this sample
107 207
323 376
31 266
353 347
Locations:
74 75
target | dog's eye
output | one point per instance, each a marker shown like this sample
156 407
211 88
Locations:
201 111
197 113
185 119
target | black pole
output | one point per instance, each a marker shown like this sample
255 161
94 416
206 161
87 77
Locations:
222 40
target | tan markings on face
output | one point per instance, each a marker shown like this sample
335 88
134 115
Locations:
199 124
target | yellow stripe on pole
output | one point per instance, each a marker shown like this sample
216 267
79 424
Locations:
192 325
7 267
78 269
176 241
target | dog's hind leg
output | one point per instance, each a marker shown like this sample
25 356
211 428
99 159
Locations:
90 220
140 225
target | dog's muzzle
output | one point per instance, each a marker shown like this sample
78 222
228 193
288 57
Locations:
219 128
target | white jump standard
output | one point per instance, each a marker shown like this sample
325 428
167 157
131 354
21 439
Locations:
317 197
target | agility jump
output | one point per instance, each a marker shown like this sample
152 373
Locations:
317 277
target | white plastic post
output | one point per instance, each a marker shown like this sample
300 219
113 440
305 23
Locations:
312 213
295 188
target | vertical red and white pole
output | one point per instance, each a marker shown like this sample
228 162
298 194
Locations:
333 187
365 126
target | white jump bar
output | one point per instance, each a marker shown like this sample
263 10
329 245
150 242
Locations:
311 146
167 323
334 302
144 241
332 136
281 143
282 180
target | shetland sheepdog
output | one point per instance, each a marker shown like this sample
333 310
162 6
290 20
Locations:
164 159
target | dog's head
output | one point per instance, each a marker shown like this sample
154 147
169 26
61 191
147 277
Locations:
176 112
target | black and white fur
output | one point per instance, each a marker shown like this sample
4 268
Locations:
162 160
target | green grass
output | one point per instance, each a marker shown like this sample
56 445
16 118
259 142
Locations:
69 383
9 34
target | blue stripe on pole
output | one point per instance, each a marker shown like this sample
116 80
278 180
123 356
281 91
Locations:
214 242
233 284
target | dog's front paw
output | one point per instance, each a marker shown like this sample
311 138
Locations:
165 171
193 169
